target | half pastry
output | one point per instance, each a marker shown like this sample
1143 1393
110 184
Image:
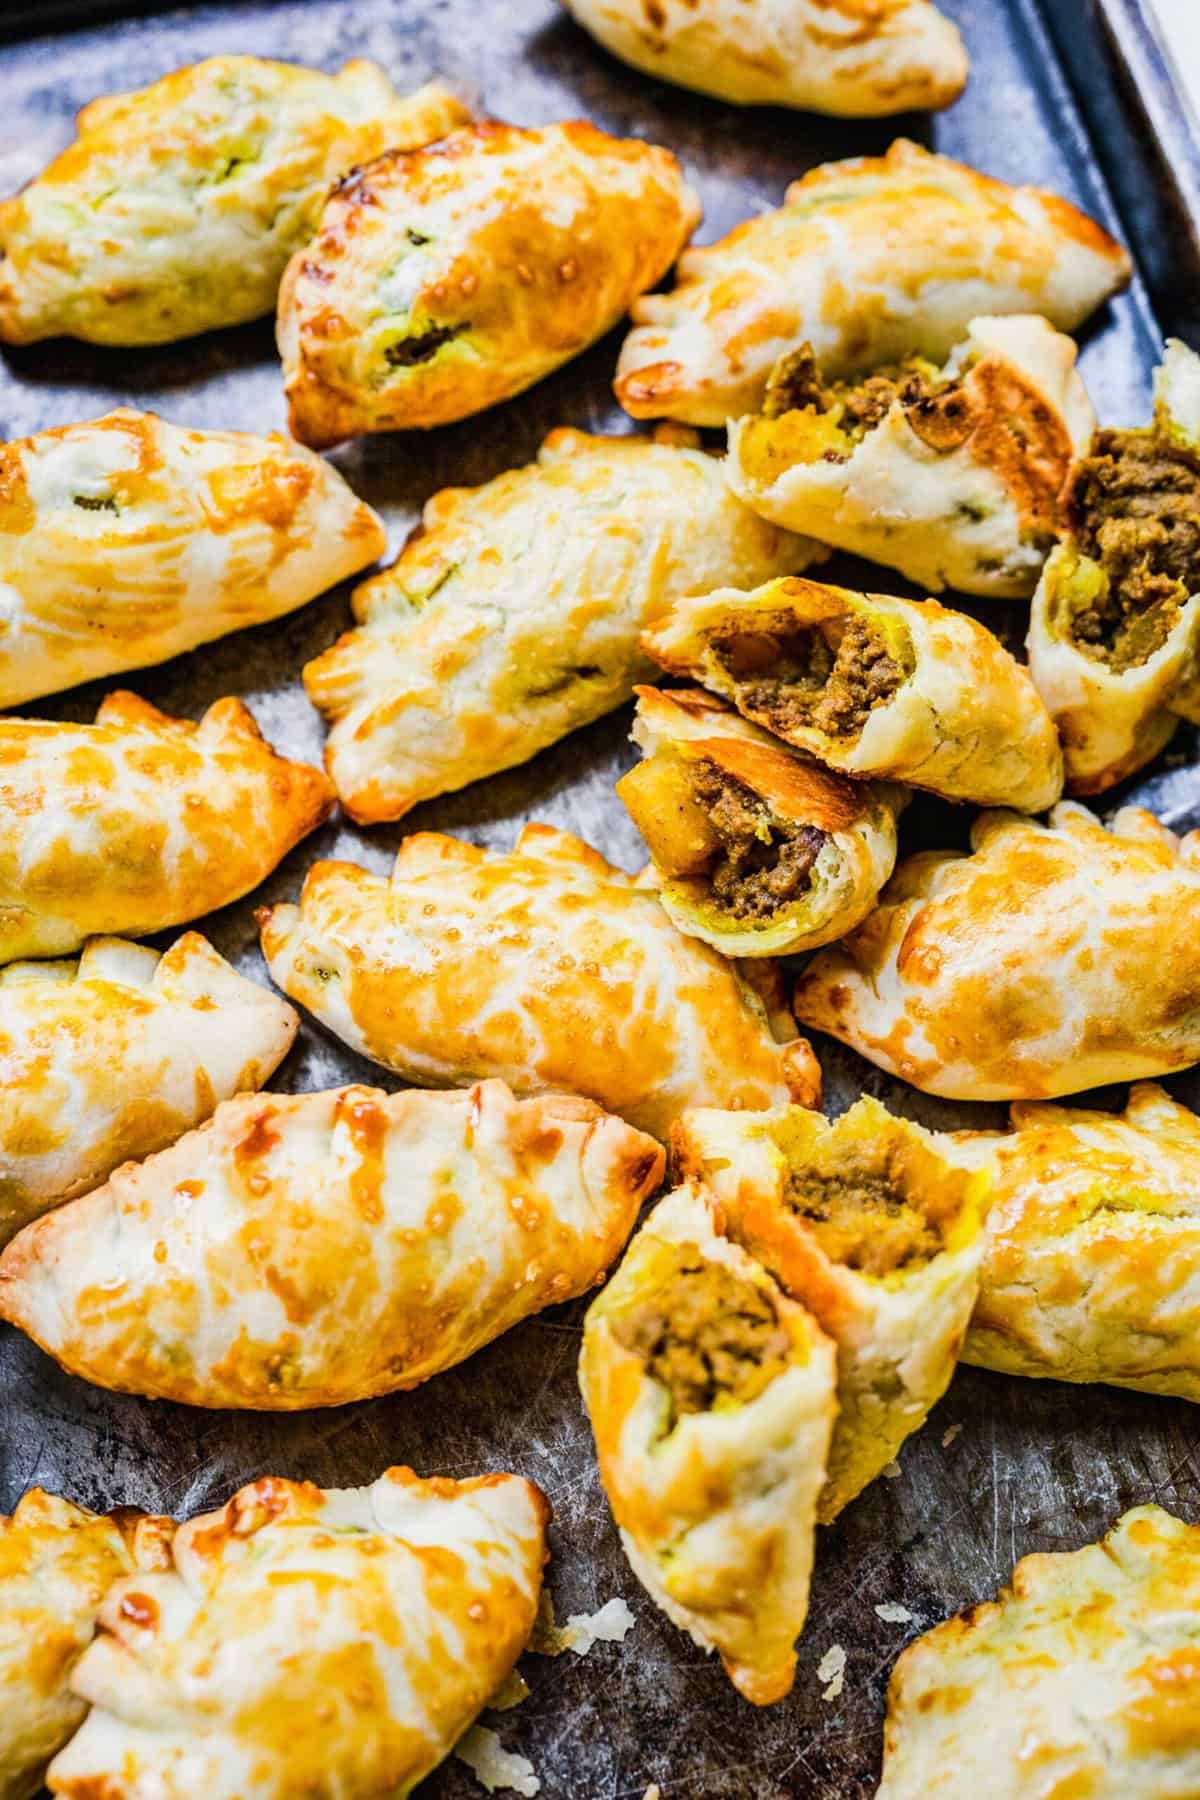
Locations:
443 281
333 1640
512 614
869 260
176 208
758 850
545 966
115 1056
1092 1271
1055 958
952 475
140 821
128 540
872 685
57 1562
313 1249
1114 635
854 61
711 1396
1082 1679
874 1225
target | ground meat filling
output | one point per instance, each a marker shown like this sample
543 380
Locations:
862 1219
1134 506
707 1336
798 679
862 406
764 863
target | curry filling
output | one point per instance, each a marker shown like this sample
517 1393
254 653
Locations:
864 1216
1134 506
828 677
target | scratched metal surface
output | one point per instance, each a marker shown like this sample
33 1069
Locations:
1035 1466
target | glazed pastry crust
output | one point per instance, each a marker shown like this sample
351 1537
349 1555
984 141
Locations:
546 967
323 1248
716 1507
964 719
57 1562
1055 958
683 726
115 1056
896 1317
128 540
855 59
965 494
511 617
139 821
445 280
1081 1678
354 1631
177 206
870 260
1094 1246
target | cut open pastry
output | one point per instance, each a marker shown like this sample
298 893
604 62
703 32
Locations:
874 1225
870 684
1114 635
758 850
953 475
711 1396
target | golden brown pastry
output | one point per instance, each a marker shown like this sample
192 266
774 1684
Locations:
1093 1246
872 685
309 1640
128 540
57 1562
313 1249
139 821
512 614
1083 1679
952 475
869 260
442 281
177 206
854 58
1114 634
874 1225
711 1396
758 850
546 967
1055 958
115 1056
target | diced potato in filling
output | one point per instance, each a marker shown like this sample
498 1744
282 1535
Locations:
828 677
879 1208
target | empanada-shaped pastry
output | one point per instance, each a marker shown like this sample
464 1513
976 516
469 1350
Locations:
711 1396
444 280
758 850
512 616
140 821
1092 1271
1114 634
309 1641
1055 958
177 207
874 1225
1083 1679
128 540
547 967
869 260
856 58
872 685
323 1248
952 475
57 1562
115 1056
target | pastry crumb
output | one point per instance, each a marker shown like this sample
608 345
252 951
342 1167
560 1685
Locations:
510 1693
653 1792
890 1471
949 1435
832 1670
495 1767
609 1624
892 1613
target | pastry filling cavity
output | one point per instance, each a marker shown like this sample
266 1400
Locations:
762 863
712 1339
827 678
864 1216
1134 506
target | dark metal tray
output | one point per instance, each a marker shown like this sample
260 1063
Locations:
1037 1466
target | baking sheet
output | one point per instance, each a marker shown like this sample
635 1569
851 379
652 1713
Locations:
1036 1466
